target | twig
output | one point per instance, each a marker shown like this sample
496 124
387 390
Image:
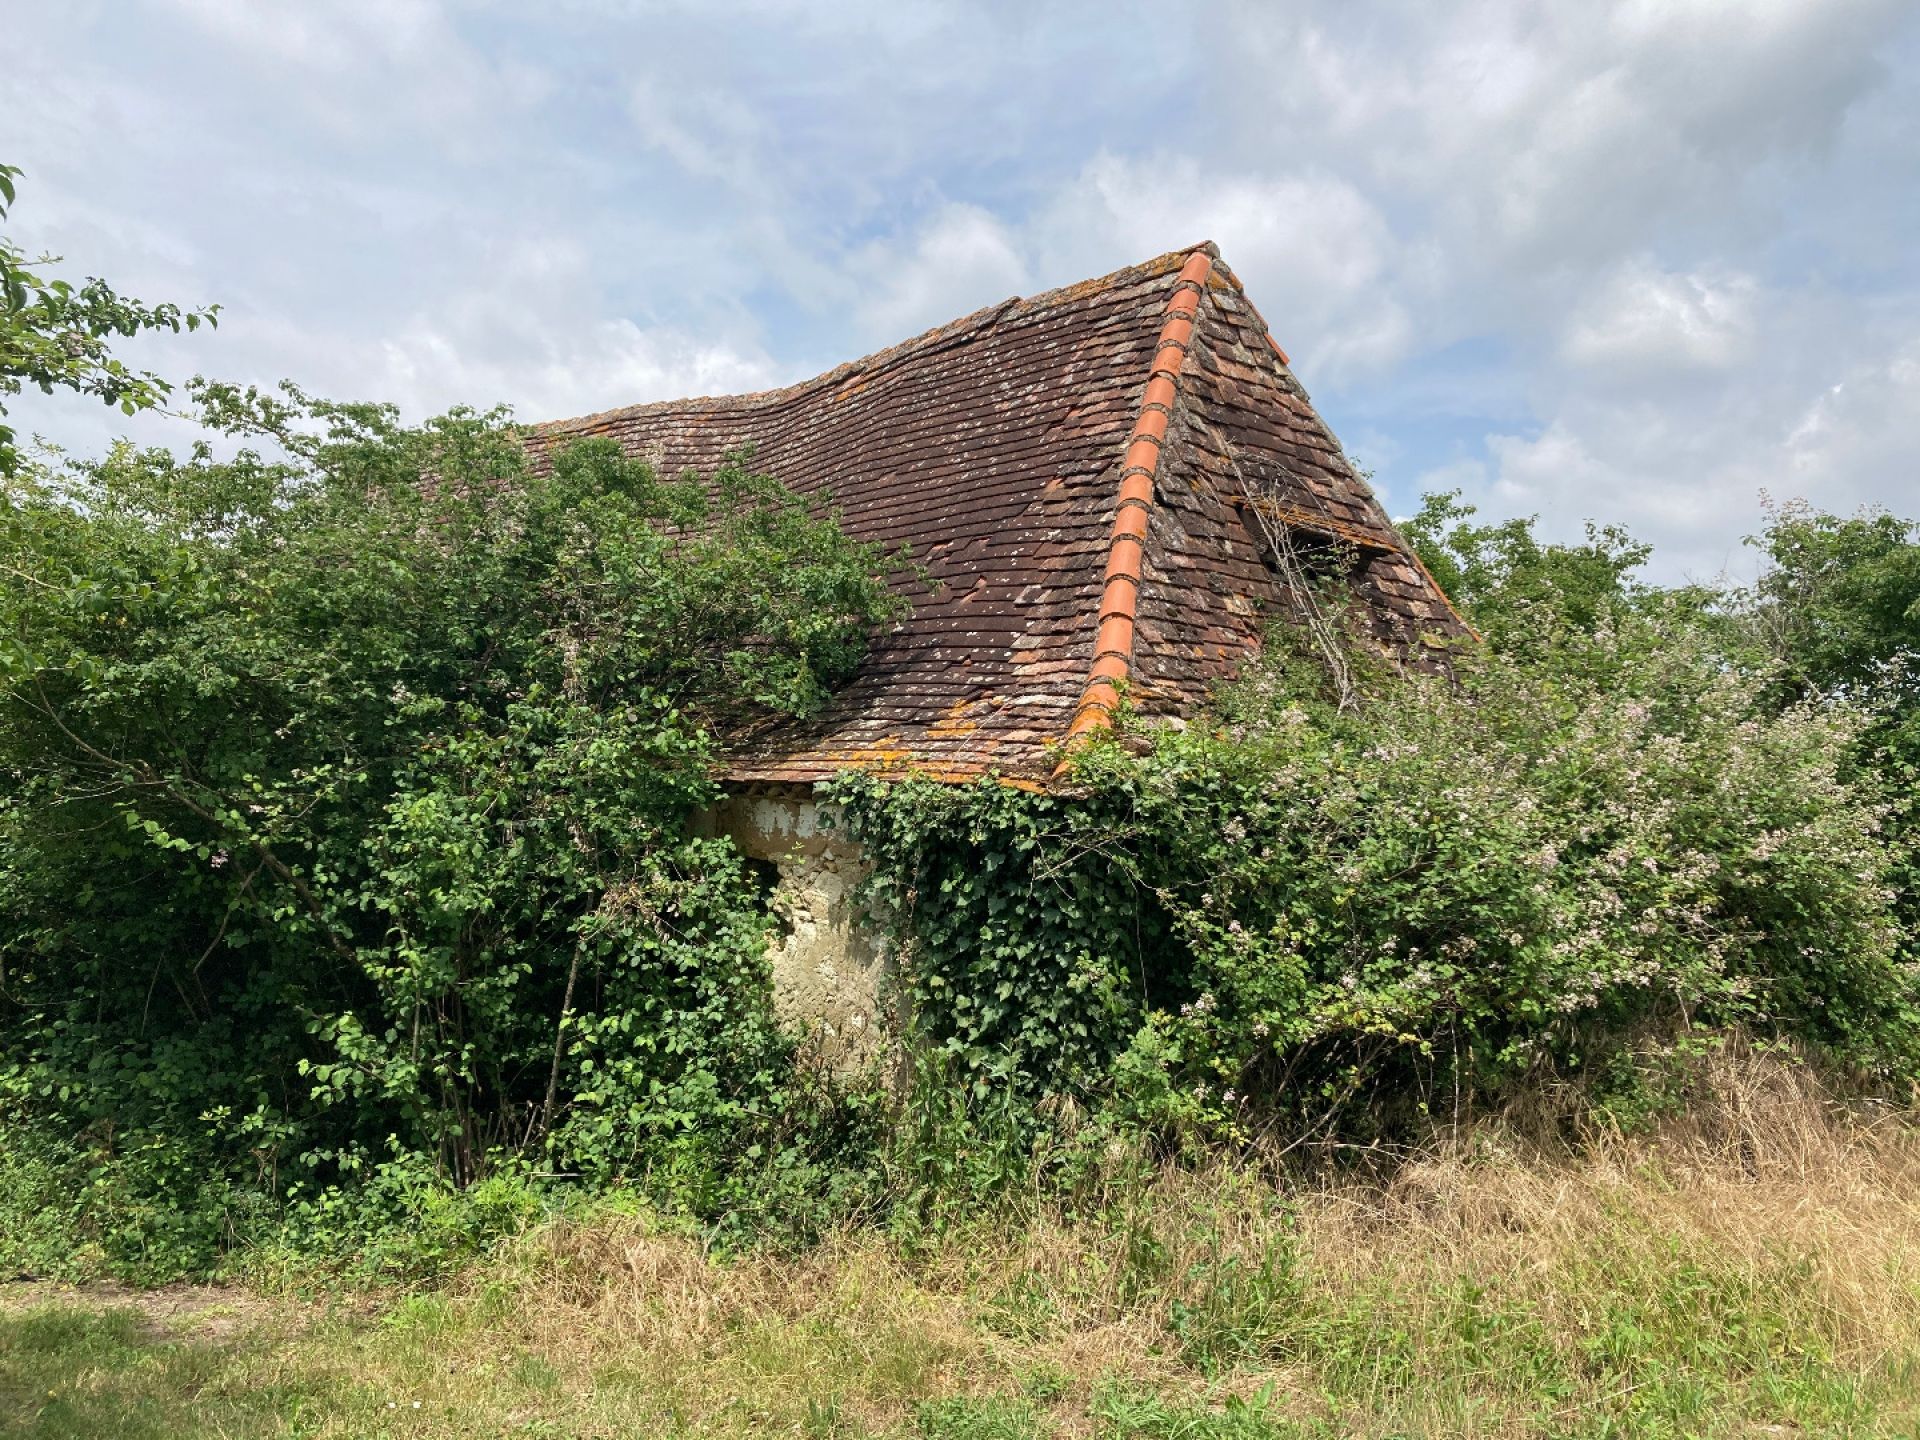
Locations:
560 1039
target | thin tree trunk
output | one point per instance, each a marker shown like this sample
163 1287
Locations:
560 1040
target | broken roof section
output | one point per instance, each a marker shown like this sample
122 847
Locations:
1107 485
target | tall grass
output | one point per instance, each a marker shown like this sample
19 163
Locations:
1749 1266
1754 1260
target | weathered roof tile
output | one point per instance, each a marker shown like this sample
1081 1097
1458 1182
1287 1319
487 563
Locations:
1018 450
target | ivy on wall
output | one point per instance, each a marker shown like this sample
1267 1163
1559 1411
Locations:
1320 917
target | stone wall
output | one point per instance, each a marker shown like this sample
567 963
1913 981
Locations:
830 973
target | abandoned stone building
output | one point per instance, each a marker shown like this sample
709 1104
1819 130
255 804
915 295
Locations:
1116 486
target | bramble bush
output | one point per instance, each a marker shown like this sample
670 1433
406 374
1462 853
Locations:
1604 834
1838 604
344 789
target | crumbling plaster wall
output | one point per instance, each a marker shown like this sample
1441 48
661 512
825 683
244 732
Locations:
830 972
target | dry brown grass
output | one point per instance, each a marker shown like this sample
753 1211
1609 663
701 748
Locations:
1751 1266
1768 1166
1786 1210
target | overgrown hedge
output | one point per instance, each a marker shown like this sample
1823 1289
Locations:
344 789
348 895
1302 918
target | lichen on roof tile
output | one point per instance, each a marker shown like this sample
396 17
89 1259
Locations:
996 447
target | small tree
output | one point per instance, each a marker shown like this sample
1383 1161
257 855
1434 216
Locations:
345 784
55 334
1838 608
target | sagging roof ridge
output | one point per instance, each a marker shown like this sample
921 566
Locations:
1194 303
928 342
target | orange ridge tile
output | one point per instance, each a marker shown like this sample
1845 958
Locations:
1119 598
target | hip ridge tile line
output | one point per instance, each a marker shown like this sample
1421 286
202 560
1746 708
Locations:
1127 545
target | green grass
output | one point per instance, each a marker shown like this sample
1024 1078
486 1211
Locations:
70 1371
74 1372
1610 1341
1631 1291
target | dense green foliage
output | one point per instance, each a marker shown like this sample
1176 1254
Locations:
1630 817
1839 604
344 798
348 889
1833 622
54 335
1521 591
347 875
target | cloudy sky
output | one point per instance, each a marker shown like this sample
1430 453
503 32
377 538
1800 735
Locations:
1636 262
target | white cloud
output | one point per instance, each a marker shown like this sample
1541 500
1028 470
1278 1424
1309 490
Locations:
1548 136
429 363
1690 478
337 38
430 366
371 70
1633 260
705 131
1860 429
521 327
1657 225
1313 251
961 259
1643 320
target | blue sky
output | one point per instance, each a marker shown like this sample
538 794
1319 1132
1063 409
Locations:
1638 262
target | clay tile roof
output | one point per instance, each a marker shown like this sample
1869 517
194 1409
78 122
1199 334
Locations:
1092 478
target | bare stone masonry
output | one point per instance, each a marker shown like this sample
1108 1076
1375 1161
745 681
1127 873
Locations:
831 978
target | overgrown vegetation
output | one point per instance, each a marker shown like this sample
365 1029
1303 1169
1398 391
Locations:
349 905
1629 820
1287 1073
344 841
1752 1267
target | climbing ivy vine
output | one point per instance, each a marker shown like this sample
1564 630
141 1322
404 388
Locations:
1318 918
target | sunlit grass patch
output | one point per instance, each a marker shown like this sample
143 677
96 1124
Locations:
1732 1277
73 1373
